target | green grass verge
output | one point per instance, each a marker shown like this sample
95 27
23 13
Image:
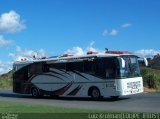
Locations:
27 111
12 107
11 110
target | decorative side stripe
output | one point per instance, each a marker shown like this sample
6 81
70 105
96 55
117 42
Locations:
62 70
33 76
52 76
75 91
62 90
80 74
57 73
65 72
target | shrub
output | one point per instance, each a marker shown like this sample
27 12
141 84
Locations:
5 83
151 78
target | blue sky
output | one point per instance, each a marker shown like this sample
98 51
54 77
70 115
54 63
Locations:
52 27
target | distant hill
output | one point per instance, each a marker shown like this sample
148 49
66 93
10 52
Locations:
7 76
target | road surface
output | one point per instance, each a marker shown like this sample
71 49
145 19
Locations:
145 102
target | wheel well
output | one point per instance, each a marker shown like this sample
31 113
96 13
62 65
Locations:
33 88
90 90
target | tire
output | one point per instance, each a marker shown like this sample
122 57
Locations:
35 92
95 93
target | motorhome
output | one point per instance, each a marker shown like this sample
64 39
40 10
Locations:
112 74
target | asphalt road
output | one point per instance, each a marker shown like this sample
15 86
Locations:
145 102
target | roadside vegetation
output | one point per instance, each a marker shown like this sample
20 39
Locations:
151 78
6 80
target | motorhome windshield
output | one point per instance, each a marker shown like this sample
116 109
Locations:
131 67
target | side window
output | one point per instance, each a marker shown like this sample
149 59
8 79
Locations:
74 66
60 66
89 67
45 68
36 68
105 68
69 66
110 65
100 68
21 74
79 66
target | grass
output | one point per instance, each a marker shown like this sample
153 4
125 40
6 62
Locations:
12 107
26 111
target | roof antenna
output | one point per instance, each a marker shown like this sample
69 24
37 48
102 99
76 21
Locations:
106 49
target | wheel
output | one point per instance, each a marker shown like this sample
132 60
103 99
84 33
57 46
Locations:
35 92
95 93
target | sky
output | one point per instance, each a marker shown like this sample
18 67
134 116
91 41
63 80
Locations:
54 27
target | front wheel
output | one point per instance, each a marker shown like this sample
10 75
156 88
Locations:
95 93
35 92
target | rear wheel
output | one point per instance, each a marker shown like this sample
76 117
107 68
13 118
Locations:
95 93
35 92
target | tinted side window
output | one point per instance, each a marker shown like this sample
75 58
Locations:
111 68
79 66
58 65
21 74
106 68
74 66
88 66
36 68
100 70
69 66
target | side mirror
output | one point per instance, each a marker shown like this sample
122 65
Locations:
122 62
145 61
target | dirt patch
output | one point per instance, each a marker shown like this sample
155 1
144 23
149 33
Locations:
149 90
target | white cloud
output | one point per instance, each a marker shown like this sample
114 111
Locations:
4 42
1 64
78 51
17 56
105 32
126 25
28 54
147 52
113 32
91 48
11 22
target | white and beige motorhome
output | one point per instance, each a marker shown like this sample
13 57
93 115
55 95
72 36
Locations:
112 74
